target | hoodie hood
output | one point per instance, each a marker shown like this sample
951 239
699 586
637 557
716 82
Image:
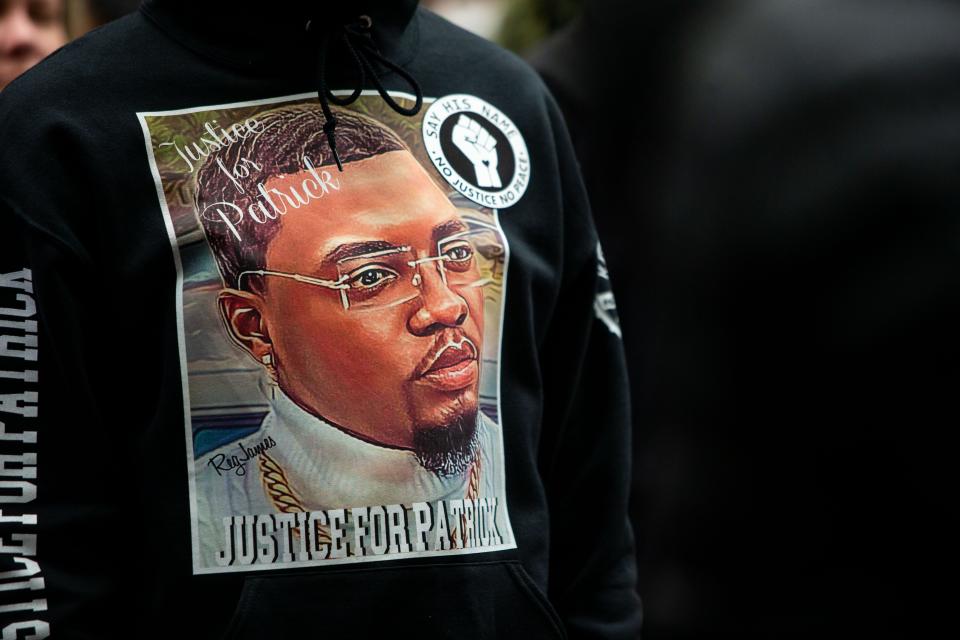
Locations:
349 44
266 38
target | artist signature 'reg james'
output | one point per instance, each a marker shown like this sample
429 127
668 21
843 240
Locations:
223 463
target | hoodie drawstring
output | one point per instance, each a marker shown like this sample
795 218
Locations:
356 37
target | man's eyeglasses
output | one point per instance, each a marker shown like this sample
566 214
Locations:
380 279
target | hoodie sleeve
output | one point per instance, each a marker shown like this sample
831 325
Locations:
23 579
585 455
62 528
54 514
20 571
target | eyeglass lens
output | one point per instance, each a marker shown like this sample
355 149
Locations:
387 279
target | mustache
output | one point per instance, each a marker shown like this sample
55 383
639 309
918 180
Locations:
450 338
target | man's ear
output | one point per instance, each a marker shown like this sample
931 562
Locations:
242 316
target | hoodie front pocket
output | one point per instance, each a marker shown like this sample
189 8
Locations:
463 601
536 594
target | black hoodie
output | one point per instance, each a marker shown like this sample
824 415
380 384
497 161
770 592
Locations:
245 393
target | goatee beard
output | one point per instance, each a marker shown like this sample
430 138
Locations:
448 449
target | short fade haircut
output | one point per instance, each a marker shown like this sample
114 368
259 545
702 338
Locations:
285 135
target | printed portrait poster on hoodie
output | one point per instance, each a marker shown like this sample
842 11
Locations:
339 330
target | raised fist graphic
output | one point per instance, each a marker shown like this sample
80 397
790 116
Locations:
480 148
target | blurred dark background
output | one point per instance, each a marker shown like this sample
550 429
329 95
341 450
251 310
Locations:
776 186
775 183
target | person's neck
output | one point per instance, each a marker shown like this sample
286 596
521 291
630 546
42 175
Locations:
335 469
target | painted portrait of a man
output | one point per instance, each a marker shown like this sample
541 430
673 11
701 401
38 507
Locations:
360 295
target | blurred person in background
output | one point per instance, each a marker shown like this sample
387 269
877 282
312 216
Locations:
30 30
776 187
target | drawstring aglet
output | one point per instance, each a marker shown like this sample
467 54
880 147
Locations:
328 128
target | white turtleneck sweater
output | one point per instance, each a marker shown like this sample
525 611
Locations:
326 468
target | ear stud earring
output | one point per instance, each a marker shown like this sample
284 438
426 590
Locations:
267 360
